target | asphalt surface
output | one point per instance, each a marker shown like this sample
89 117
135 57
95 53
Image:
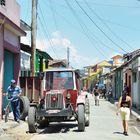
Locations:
104 125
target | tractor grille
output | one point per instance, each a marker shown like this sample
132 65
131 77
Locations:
54 104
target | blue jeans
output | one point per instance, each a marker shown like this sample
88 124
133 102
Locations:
16 109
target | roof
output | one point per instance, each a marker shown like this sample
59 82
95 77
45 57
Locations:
136 52
55 61
24 26
117 56
63 69
60 69
102 64
27 48
126 63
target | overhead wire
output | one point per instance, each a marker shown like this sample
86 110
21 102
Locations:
47 33
111 22
101 4
97 39
112 5
78 19
91 33
53 13
107 25
123 26
99 27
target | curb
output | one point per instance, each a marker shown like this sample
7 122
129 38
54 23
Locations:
136 115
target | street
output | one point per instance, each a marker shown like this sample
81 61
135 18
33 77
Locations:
104 125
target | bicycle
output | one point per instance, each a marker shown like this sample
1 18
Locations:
7 109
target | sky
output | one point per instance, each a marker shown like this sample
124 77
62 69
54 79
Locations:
94 30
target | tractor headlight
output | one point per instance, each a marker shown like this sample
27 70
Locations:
68 95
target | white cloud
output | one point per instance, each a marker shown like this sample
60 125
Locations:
25 40
58 48
42 45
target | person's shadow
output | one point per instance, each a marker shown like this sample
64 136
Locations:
119 133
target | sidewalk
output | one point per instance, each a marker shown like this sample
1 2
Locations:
4 126
136 114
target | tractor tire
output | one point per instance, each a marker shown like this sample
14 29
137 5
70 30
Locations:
81 117
87 113
24 107
32 120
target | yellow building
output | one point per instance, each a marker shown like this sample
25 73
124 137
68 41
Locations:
92 72
95 69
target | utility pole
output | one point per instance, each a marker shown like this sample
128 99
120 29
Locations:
68 54
33 44
33 38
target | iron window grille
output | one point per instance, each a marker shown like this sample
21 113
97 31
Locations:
2 2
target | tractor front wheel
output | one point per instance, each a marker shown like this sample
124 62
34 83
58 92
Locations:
81 117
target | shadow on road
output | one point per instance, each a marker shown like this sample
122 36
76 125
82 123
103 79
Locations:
119 133
58 128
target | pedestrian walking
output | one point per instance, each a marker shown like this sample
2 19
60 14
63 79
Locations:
125 88
109 93
13 93
96 95
124 107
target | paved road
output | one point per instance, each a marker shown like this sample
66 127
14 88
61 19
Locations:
104 125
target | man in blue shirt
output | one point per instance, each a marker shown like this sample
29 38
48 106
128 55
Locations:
13 93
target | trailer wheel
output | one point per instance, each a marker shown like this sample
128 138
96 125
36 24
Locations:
32 124
24 106
81 117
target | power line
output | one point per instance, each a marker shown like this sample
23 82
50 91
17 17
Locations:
123 26
97 39
78 19
107 25
111 5
99 27
106 20
47 33
53 13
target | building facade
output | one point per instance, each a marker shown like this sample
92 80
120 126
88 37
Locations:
10 33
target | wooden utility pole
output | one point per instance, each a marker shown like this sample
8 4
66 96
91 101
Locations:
33 38
33 45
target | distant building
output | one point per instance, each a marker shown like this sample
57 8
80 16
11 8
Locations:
57 63
117 60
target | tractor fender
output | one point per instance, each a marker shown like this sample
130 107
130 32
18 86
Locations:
81 99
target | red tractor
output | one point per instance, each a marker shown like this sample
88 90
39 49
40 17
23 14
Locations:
63 100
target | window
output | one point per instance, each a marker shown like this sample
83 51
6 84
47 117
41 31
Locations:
2 2
59 80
